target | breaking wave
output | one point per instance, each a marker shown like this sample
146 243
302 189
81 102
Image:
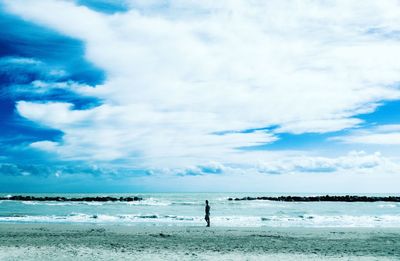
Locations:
233 221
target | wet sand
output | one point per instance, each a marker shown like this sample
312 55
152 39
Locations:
118 242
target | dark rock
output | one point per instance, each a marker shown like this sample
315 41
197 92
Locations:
87 199
347 198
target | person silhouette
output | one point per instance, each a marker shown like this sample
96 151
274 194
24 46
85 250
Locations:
207 217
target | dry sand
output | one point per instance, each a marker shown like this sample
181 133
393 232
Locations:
111 242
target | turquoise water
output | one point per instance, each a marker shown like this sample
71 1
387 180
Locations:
187 209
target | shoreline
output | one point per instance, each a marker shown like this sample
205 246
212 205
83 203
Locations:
71 241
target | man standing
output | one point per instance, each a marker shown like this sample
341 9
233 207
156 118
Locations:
207 218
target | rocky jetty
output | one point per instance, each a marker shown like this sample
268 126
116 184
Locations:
346 198
87 199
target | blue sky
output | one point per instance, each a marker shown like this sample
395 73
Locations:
120 96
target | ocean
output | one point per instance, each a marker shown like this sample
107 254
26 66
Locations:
187 209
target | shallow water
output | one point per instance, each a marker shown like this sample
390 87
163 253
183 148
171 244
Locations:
187 209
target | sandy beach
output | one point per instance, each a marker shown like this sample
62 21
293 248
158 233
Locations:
112 242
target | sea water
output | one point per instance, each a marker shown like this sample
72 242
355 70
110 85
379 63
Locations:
187 209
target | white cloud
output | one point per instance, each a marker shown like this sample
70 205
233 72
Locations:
10 60
259 182
356 172
179 73
318 126
380 135
45 145
353 162
358 162
57 115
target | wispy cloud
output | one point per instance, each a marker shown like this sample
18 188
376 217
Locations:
379 135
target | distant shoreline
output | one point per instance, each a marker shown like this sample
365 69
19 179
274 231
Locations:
326 198
347 198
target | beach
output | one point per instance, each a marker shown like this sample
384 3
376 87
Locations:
121 242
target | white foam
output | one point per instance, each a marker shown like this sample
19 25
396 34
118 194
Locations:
388 206
149 202
187 203
334 221
232 221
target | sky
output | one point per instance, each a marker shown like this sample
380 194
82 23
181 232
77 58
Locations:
182 95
